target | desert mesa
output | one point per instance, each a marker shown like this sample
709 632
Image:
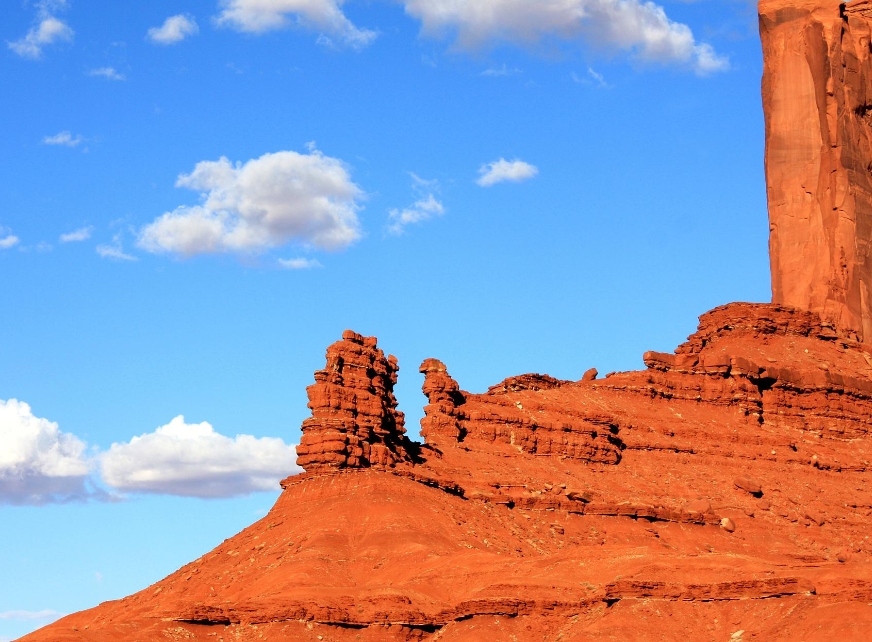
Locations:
721 493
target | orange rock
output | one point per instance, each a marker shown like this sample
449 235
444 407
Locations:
544 508
818 108
355 422
748 485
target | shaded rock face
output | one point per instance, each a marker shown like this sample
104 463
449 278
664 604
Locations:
355 422
817 99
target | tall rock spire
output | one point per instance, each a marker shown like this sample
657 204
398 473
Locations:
817 100
355 422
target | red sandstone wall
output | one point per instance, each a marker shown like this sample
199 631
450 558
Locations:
817 99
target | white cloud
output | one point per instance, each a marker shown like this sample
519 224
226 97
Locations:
503 170
501 71
8 241
630 25
109 73
427 206
299 264
324 16
115 250
48 30
266 202
193 460
173 30
38 462
81 234
63 138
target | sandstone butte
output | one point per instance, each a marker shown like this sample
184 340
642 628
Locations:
723 493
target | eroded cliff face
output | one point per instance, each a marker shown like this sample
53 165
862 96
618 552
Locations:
817 100
722 493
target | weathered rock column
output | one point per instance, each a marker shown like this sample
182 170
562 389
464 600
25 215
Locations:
355 422
817 100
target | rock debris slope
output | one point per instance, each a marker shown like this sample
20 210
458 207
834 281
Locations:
723 493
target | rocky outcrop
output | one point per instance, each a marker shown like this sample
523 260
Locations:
817 100
355 422
725 485
783 366
501 418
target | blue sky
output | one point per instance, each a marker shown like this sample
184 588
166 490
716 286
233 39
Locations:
198 197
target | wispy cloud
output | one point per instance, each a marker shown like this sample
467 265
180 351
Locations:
109 73
8 241
427 206
299 264
115 250
81 234
592 77
45 614
174 29
323 16
501 71
502 170
64 138
47 30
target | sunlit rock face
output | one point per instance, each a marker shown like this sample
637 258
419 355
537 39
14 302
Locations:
817 100
721 493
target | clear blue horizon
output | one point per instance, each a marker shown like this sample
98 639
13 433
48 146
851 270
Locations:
519 195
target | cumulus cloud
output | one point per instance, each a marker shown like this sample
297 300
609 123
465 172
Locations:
299 264
427 206
8 241
193 460
630 25
173 30
324 16
38 463
64 138
81 234
266 202
503 170
109 73
48 30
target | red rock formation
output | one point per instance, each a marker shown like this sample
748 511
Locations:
727 489
355 422
817 99
454 417
723 493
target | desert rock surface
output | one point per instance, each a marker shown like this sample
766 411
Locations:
722 493
817 99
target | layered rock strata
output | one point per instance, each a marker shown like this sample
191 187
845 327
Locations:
355 422
817 100
454 417
724 488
